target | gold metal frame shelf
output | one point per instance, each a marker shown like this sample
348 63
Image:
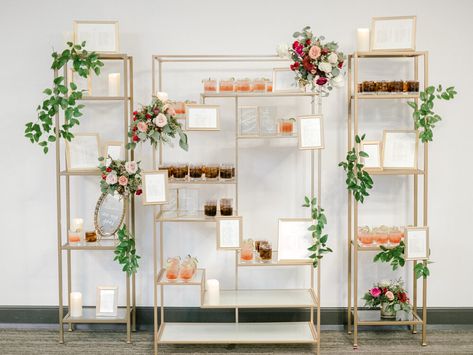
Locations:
188 181
197 280
360 317
273 262
126 314
237 332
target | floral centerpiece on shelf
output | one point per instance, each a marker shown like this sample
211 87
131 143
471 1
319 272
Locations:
390 296
156 123
317 64
120 176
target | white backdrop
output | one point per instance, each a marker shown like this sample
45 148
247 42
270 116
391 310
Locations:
29 30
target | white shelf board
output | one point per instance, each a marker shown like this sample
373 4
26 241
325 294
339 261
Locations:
237 333
196 279
262 299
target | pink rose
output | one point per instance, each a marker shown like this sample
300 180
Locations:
375 292
160 120
389 295
142 126
171 111
313 71
314 52
131 167
123 180
111 178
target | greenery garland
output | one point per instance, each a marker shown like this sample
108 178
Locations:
319 247
42 131
125 251
358 180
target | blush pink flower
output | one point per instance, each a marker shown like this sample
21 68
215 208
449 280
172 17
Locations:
375 292
123 180
314 52
111 179
171 111
142 127
161 120
389 295
131 167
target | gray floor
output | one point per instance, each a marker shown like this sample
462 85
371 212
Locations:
86 342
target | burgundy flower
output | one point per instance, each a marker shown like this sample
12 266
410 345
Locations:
295 44
294 66
139 192
321 81
136 139
324 51
148 116
104 176
340 65
135 113
308 42
402 297
108 170
307 64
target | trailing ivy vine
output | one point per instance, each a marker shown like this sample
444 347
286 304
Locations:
395 256
125 251
358 180
319 247
42 131
424 116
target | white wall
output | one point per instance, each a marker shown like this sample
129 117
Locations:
30 29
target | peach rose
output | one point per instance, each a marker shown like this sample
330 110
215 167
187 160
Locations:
389 295
314 52
142 127
122 180
171 111
160 120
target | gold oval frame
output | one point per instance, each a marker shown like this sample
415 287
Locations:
97 207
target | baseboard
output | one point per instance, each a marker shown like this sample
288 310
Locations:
144 315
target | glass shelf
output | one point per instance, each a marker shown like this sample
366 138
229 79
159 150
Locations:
258 94
89 316
257 262
104 244
267 137
389 54
188 181
373 317
103 98
385 97
184 216
81 173
197 279
395 172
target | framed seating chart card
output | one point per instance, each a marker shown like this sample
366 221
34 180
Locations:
107 301
294 239
393 33
82 153
416 242
229 232
202 117
155 187
311 134
400 149
100 36
373 149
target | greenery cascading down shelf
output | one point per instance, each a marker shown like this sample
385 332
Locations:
125 251
42 132
319 246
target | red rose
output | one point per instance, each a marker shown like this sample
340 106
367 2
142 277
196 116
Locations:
321 81
104 176
340 65
139 192
136 139
295 44
135 113
307 64
148 116
294 66
324 51
109 169
135 118
135 129
402 296
308 42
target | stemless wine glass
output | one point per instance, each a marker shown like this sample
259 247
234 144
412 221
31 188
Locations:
172 268
247 248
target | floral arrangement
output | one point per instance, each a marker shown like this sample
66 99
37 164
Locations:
156 123
317 64
123 177
390 296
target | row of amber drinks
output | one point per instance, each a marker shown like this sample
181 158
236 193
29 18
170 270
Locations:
199 171
383 235
239 85
395 87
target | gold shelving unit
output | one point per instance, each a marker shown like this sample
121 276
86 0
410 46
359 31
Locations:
235 332
127 314
357 317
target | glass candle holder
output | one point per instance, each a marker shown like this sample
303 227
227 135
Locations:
269 86
226 208
259 85
226 171
395 236
380 235
243 85
91 236
212 171
196 171
210 85
266 252
247 248
227 85
172 268
286 127
180 171
210 208
188 268
74 236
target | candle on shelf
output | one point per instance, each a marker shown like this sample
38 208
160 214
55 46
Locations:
363 40
114 84
75 304
213 291
77 225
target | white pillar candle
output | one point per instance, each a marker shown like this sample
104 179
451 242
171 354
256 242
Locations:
213 291
114 84
363 39
77 225
75 304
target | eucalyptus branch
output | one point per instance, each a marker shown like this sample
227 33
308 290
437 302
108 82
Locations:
319 247
395 256
125 251
42 131
358 180
424 116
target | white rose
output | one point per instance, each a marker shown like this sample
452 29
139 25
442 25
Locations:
326 67
384 283
111 178
162 96
283 50
160 120
338 81
131 167
332 58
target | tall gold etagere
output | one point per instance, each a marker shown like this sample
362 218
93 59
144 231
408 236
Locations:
235 332
355 316
127 314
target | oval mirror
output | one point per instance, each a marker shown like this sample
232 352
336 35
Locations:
109 214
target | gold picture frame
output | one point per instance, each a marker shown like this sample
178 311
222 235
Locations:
305 238
374 46
418 232
300 132
94 46
386 148
145 176
219 221
379 144
113 298
89 159
202 127
107 144
284 87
